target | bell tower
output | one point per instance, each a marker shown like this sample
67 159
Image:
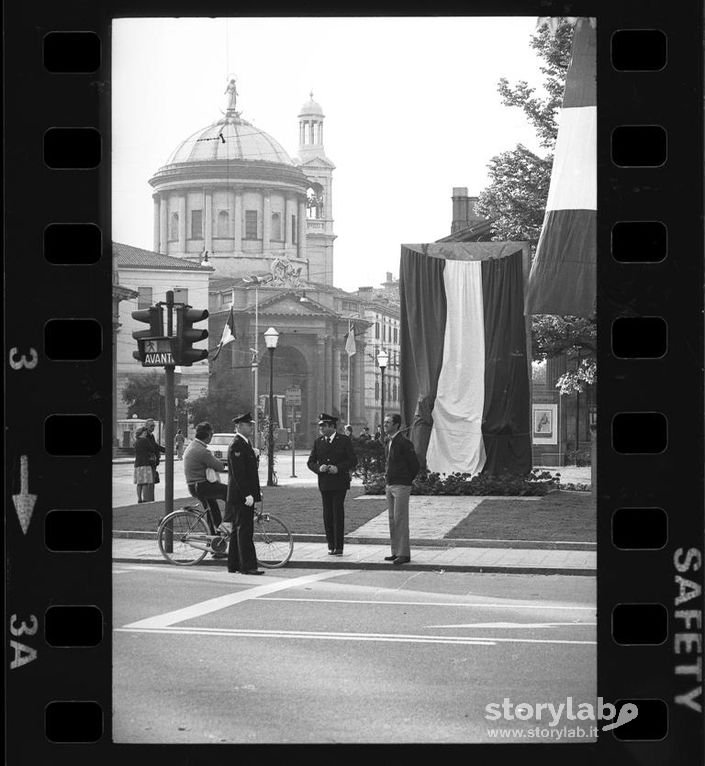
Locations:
318 169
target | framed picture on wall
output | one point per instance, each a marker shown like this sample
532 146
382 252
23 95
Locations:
544 419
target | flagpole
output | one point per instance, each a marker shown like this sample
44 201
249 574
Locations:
349 367
255 368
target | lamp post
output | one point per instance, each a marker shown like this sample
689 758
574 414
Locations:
253 279
271 338
382 360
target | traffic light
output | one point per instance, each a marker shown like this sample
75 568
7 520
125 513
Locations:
153 317
186 335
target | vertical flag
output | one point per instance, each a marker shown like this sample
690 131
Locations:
228 335
563 274
350 342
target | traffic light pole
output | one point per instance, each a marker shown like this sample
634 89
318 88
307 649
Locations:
169 394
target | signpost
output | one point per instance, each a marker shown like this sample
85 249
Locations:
168 342
293 400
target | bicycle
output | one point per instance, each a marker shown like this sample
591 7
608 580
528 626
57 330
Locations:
184 538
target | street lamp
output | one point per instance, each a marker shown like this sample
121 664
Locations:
253 279
271 338
382 360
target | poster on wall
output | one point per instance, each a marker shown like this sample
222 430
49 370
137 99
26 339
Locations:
544 419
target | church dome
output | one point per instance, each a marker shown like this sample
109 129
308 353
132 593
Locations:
231 138
311 108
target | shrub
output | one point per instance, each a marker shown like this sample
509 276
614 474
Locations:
535 483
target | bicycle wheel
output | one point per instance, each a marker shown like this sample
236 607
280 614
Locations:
273 541
189 537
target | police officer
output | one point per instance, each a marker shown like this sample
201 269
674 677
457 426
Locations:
243 492
332 458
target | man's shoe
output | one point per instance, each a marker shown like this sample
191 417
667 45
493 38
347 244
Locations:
331 552
337 552
233 571
253 572
389 558
402 560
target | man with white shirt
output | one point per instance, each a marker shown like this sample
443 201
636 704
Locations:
243 492
401 467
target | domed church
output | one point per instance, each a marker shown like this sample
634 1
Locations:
230 196
232 193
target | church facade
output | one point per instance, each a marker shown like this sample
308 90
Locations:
230 200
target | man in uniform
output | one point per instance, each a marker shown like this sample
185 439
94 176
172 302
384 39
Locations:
332 458
243 492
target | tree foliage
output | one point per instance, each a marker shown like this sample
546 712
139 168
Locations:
218 407
141 393
516 197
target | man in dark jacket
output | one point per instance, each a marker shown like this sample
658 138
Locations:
402 465
243 492
332 458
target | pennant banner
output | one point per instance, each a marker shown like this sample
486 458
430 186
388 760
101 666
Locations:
563 275
464 363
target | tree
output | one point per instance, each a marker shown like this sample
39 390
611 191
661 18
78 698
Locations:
516 197
142 395
218 407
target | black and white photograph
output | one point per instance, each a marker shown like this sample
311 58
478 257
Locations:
354 381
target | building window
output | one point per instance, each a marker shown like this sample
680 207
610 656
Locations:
250 224
180 295
196 224
223 227
293 229
396 392
396 335
174 227
144 297
376 390
276 227
376 330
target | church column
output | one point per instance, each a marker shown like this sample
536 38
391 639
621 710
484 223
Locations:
162 225
182 223
301 244
336 381
266 221
237 223
358 376
328 375
208 213
320 373
155 237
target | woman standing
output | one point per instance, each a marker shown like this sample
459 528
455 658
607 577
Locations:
146 461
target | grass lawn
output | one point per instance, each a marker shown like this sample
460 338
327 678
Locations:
557 516
298 507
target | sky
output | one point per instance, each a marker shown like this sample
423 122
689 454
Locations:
411 111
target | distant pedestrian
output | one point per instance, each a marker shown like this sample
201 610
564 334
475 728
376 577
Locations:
402 465
332 458
243 492
179 444
146 462
365 435
378 434
349 432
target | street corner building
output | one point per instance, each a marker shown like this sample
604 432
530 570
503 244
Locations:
465 356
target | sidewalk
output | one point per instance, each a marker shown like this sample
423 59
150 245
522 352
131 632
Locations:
440 557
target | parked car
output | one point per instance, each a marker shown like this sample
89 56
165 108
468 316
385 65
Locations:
219 445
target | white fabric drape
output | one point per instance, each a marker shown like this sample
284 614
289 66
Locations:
456 442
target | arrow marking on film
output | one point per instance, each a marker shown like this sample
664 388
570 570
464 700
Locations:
24 502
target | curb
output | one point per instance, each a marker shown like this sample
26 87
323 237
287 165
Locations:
443 543
408 567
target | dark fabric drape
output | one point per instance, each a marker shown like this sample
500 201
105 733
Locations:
506 414
422 324
563 276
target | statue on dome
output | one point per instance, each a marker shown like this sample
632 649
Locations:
231 91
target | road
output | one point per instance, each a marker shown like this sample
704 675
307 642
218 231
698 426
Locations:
341 656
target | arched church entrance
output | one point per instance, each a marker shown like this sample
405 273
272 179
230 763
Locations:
290 371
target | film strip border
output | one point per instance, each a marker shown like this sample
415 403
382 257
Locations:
650 397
